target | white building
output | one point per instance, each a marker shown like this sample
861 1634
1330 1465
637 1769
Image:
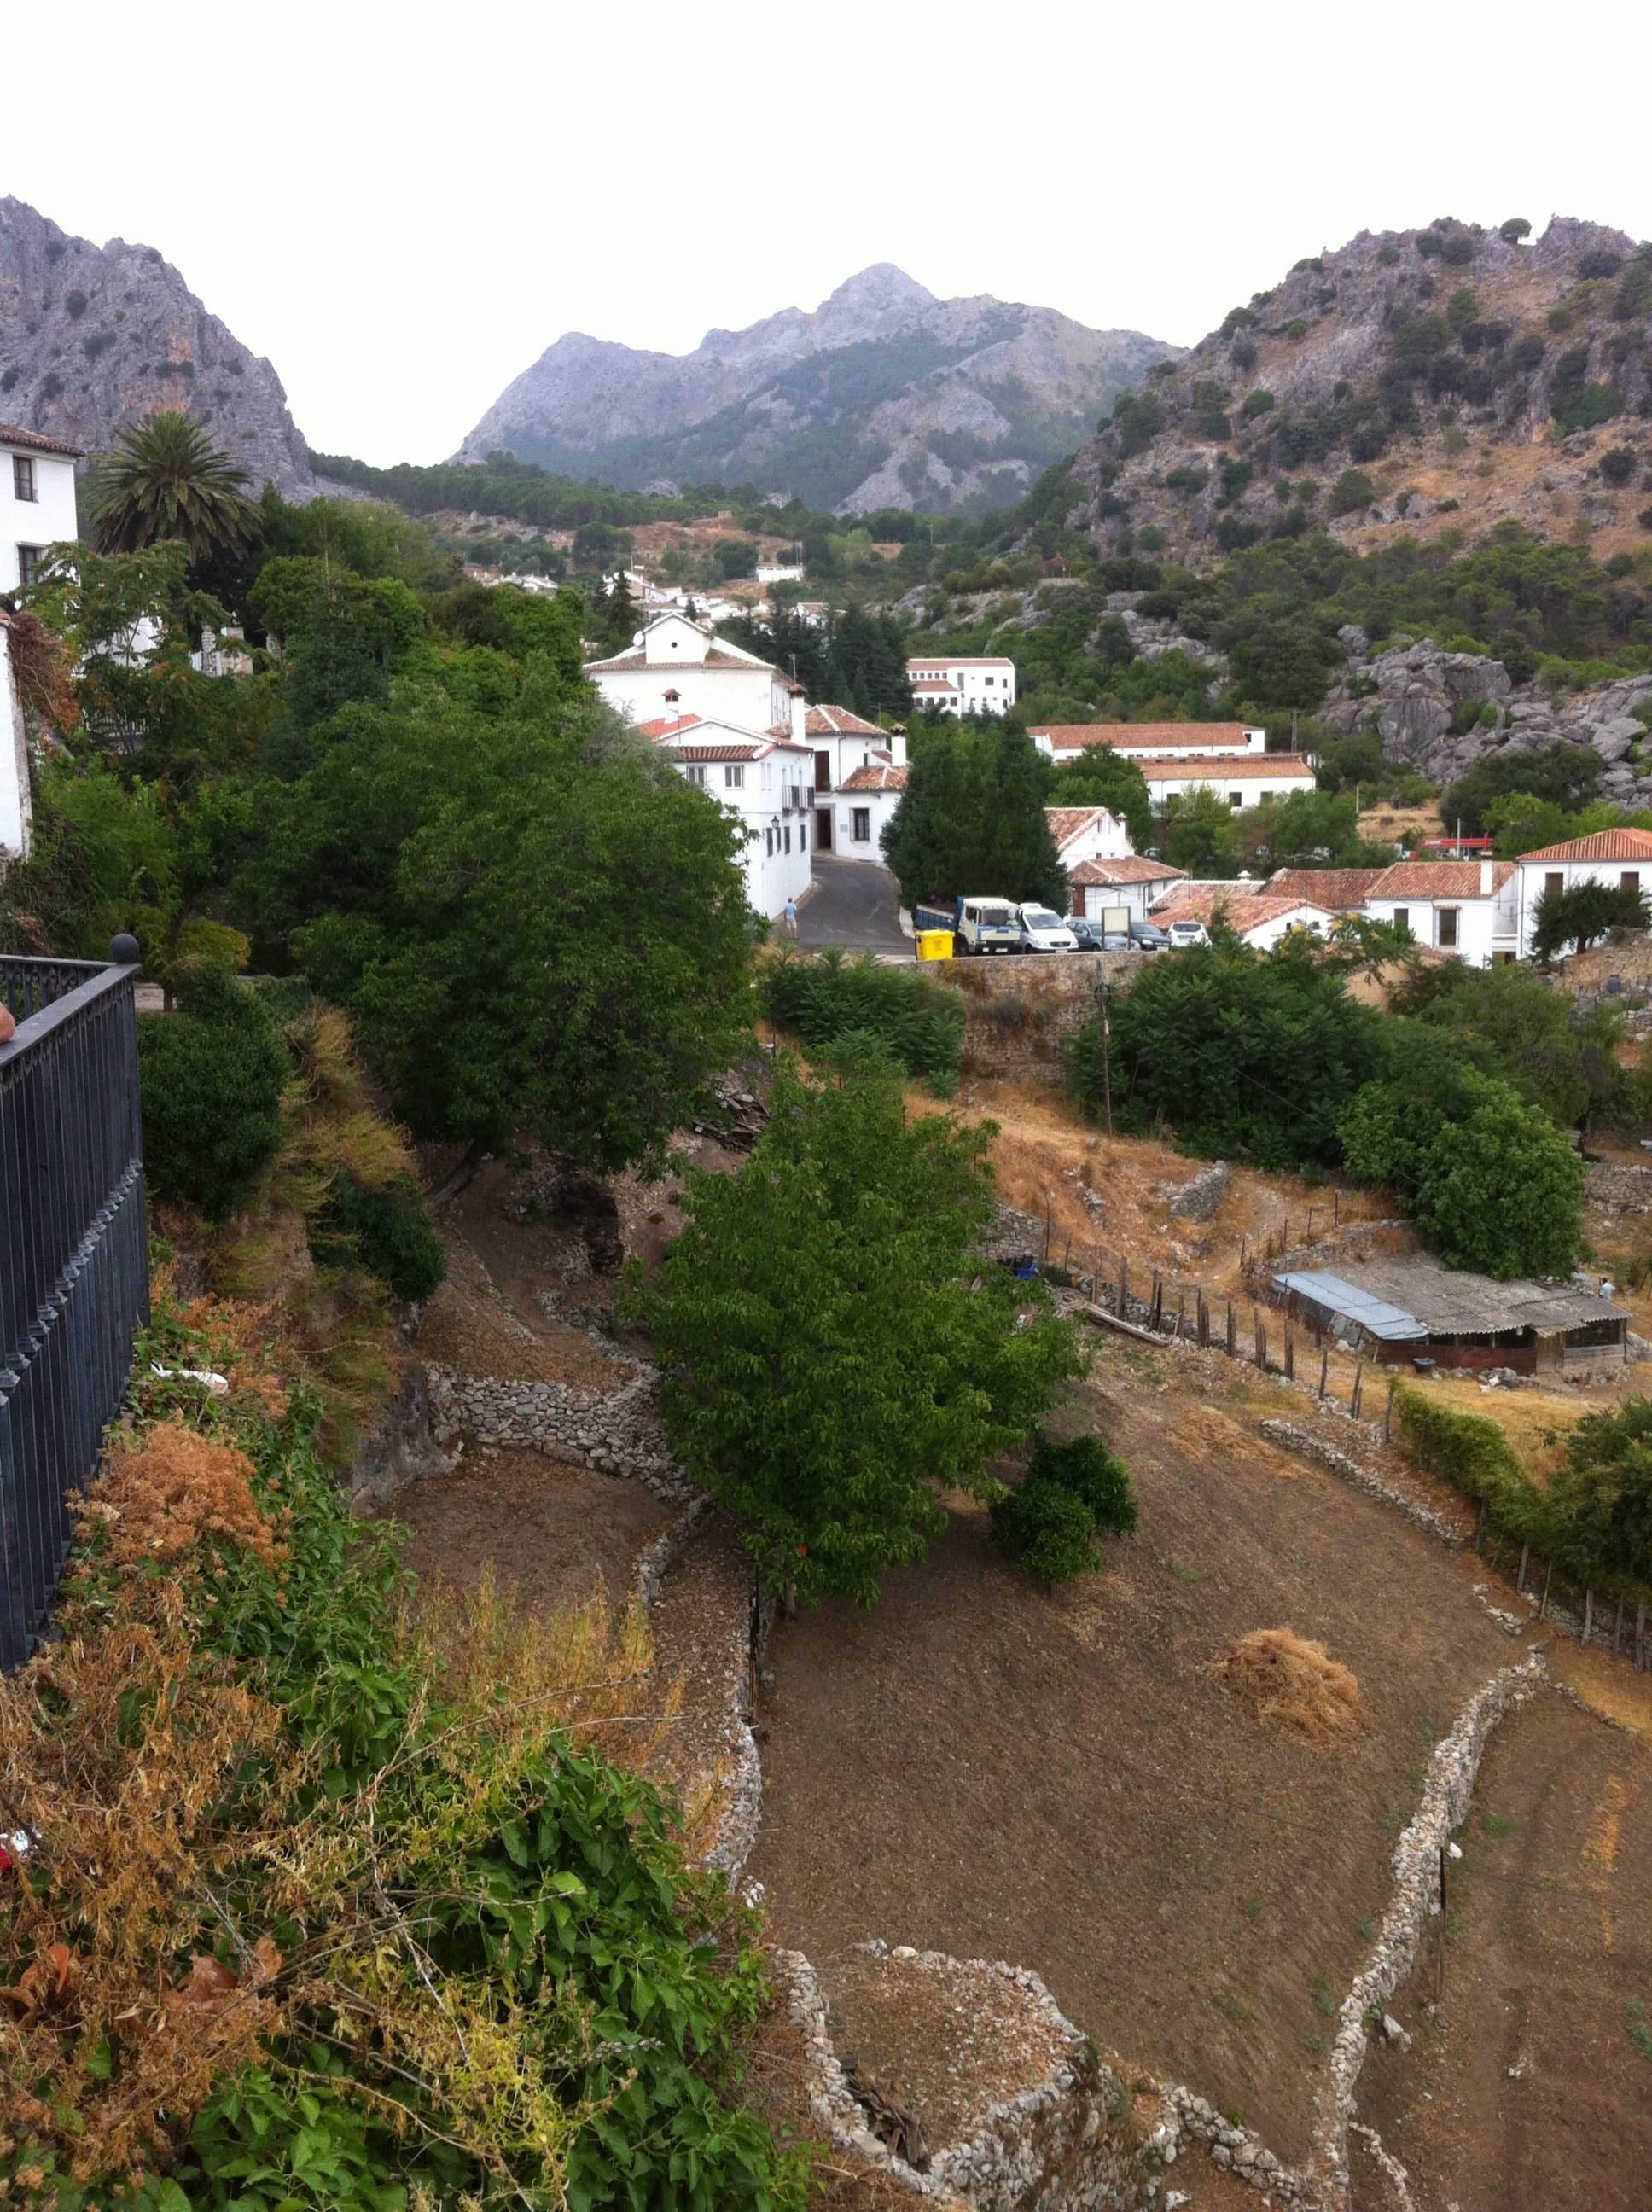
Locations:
863 805
1621 857
1255 919
1135 883
859 772
1238 782
15 808
674 666
1469 908
780 572
1065 741
1087 833
943 686
37 501
763 780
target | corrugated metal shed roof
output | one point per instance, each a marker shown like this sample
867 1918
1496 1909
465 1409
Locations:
1392 1324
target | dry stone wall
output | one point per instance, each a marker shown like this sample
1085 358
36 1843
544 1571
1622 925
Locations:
1019 1011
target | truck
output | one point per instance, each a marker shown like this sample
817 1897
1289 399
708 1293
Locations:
978 924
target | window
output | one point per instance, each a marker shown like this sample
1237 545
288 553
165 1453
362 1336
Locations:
1632 882
788 836
29 558
1447 925
22 477
1235 798
862 829
1402 919
1553 884
695 772
733 778
987 681
803 836
769 843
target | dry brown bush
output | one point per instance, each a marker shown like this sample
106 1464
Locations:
165 1489
1286 1681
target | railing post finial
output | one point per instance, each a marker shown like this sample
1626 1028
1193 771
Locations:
124 950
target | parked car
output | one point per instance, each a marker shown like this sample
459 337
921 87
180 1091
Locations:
1146 936
1087 934
1118 940
1043 931
1183 934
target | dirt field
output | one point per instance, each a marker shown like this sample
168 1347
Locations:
1532 2086
1056 1780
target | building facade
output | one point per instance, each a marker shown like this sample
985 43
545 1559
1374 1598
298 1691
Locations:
1620 858
764 781
1467 908
1135 883
674 666
1162 740
962 686
37 501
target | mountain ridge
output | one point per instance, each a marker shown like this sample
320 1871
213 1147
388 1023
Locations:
93 339
882 395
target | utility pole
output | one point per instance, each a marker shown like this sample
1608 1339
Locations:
1293 729
1107 1070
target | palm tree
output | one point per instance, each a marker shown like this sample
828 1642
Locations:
166 480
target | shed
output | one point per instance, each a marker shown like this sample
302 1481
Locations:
1403 1308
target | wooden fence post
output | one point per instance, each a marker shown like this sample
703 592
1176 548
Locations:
1325 1367
1548 1576
1290 1357
1520 1580
1388 1432
1124 1286
1202 1321
1336 1207
1258 1338
1156 1312
1233 1340
1242 1247
1588 1614
1181 1313
1359 1388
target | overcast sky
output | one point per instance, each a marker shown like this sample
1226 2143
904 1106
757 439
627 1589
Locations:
403 206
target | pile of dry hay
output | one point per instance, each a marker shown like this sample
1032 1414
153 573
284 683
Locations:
1286 1682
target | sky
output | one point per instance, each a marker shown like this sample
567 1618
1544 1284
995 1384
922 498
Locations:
403 207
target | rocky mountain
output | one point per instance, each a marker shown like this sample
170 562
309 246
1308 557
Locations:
885 396
94 338
1413 382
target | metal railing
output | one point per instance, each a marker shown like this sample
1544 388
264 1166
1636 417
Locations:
74 1257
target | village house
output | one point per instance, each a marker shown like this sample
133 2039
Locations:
859 772
1087 833
674 666
37 501
1620 857
764 780
1065 741
941 685
1467 908
1134 882
1345 891
1255 919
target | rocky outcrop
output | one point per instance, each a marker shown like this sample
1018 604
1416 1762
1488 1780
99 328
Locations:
94 338
1416 695
928 402
1411 382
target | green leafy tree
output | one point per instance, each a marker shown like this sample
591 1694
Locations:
1201 833
1586 911
533 925
1567 774
166 480
1602 1498
1241 1054
1100 776
828 1363
1507 1022
211 1077
972 819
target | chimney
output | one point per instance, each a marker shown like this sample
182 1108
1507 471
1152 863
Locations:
799 714
897 744
1485 879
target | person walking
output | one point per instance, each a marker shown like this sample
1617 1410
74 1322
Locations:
791 917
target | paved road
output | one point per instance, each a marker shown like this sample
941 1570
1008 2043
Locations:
853 904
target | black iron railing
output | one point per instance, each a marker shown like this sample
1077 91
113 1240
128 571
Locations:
74 1259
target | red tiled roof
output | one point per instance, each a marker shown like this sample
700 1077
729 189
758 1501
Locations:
1342 888
1290 768
932 683
875 778
1134 869
839 722
692 752
1599 845
960 660
635 656
1141 736
1245 910
1438 879
666 726
35 442
1067 822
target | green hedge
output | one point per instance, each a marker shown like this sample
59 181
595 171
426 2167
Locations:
1474 1456
858 1008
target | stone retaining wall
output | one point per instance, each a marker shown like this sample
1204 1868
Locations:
1349 1471
1446 1796
1020 1009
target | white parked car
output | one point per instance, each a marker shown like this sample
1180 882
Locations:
1182 933
1043 931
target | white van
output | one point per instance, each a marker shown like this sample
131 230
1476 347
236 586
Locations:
1041 931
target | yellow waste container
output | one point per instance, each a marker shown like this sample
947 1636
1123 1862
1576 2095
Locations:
934 944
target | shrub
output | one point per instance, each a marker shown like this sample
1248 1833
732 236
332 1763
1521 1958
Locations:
388 1232
1353 492
1458 250
1237 318
1514 230
99 342
1427 243
212 1074
1048 1529
1527 351
1634 293
919 1024
1387 256
1084 1467
75 302
1602 262
1242 355
1618 465
1474 1456
1150 538
1257 403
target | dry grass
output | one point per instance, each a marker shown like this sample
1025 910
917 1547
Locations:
1535 1422
1284 1682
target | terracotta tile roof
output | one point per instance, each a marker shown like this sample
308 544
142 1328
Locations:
635 657
1599 845
692 752
1438 879
1067 822
1137 869
1341 888
960 660
1142 736
839 722
666 726
875 778
1245 911
34 442
1288 767
932 683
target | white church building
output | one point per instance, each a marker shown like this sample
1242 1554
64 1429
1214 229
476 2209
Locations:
673 666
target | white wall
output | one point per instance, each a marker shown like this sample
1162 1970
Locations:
777 857
975 695
1532 879
1092 898
46 519
879 806
15 808
1252 789
1195 747
1478 935
746 698
1105 838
